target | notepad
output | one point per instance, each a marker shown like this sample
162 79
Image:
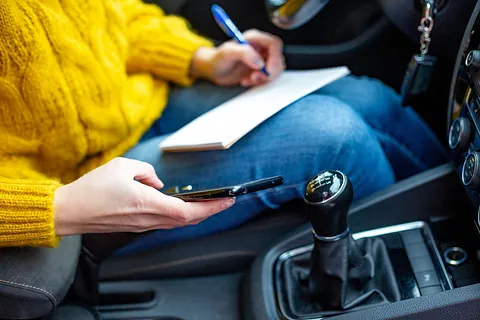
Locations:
224 125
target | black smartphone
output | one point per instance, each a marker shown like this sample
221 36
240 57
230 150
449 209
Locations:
230 192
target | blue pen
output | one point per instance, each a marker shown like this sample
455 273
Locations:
226 24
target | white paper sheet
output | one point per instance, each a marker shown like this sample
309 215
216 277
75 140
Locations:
221 127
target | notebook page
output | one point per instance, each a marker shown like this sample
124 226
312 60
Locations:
224 125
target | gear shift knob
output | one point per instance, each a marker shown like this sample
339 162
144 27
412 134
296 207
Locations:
328 196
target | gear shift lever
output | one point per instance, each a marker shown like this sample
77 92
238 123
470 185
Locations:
343 272
327 197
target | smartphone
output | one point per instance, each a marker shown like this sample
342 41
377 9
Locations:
230 192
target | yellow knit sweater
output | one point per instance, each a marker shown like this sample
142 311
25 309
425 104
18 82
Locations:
80 82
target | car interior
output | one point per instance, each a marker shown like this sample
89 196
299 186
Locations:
421 235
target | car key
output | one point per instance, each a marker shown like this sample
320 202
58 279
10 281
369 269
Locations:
421 67
418 77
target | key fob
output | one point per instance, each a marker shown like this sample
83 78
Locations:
418 77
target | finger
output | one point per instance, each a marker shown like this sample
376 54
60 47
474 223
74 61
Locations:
278 68
188 212
140 171
273 45
257 78
254 79
152 221
183 212
244 53
194 211
245 82
170 224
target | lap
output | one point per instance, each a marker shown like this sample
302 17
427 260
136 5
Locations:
408 142
374 108
355 125
378 104
317 132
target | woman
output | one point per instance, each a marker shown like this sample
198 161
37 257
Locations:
85 82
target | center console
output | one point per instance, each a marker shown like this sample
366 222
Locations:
326 271
413 264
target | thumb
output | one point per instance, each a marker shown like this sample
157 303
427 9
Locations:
188 212
244 53
140 171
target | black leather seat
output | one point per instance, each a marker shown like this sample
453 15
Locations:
33 281
226 252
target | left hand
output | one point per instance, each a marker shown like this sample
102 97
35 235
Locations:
236 64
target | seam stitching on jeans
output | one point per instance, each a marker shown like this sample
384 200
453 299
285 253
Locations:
403 148
175 263
26 286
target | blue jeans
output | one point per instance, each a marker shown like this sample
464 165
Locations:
355 125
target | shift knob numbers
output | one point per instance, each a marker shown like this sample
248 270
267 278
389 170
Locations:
328 197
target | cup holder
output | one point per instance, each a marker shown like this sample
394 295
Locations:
455 256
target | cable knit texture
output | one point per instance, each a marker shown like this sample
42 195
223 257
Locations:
80 82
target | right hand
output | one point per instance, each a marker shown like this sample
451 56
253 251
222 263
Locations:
122 196
236 64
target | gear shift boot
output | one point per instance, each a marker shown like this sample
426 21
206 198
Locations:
345 275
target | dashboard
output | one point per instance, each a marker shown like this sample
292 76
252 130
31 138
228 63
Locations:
464 114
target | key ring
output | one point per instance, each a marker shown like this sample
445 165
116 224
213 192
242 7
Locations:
426 24
425 27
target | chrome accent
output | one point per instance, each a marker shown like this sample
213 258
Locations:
464 126
469 59
365 234
455 262
295 252
388 230
475 169
333 238
478 219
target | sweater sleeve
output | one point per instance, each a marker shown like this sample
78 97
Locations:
160 44
26 212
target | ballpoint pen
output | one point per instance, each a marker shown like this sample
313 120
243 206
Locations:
227 26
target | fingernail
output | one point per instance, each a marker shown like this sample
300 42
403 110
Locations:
228 204
259 62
